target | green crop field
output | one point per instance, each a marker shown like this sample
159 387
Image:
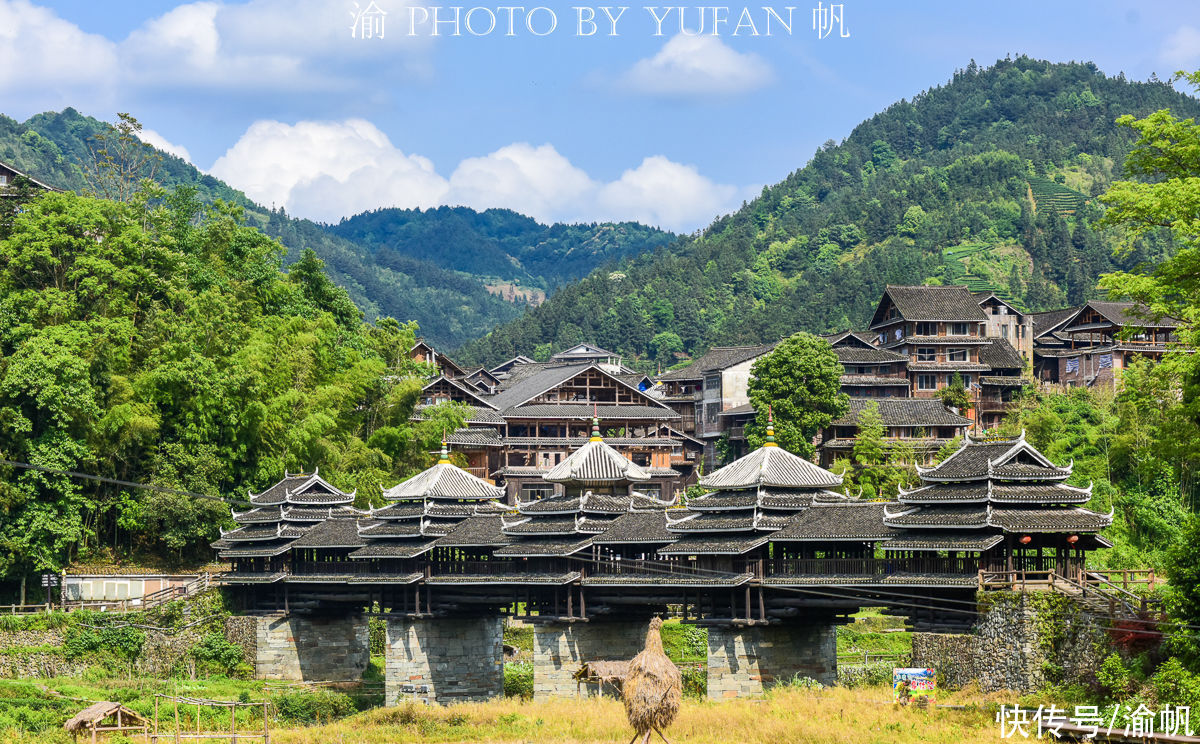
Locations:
1050 195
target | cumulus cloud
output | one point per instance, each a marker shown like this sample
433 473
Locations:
536 181
48 59
693 66
329 170
242 47
154 139
663 192
1181 50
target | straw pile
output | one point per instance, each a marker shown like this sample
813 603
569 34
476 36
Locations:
653 688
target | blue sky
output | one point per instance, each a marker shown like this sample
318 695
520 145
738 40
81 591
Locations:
278 98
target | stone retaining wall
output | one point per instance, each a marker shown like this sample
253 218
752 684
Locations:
747 661
444 660
1014 645
559 651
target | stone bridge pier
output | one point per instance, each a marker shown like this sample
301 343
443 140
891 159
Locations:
743 662
560 650
306 648
444 660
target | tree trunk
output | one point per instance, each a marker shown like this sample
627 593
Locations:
23 578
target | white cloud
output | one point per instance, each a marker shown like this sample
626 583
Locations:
329 170
696 66
1182 49
247 47
663 192
154 139
48 59
536 181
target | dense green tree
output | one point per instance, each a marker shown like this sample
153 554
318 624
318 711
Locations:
800 382
157 340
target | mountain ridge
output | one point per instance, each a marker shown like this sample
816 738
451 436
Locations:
941 188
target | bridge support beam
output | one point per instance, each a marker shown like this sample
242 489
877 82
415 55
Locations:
304 648
743 662
444 660
560 650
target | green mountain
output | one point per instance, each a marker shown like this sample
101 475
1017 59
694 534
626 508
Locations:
499 244
432 267
987 180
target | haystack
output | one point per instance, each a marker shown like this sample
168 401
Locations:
653 688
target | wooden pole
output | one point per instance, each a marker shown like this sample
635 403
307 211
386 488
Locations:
156 717
266 725
233 723
176 701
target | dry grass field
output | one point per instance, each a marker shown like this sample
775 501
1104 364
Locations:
834 715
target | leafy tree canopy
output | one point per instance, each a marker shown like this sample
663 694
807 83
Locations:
800 381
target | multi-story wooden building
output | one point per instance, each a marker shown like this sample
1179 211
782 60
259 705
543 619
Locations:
1102 338
535 415
939 329
868 371
713 384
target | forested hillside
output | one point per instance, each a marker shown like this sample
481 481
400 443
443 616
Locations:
429 266
986 180
499 243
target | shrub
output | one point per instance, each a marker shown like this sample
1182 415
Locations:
518 679
310 706
864 675
695 681
1175 685
215 654
1114 677
684 642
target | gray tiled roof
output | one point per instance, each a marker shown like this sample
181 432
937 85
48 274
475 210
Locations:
1124 314
929 540
1011 459
937 516
637 527
332 533
596 462
1048 322
482 437
544 547
859 355
855 520
443 482
1062 519
393 549
583 412
476 415
1000 354
1005 380
945 303
717 358
873 381
275 493
999 493
714 522
707 544
476 532
904 412
542 526
770 466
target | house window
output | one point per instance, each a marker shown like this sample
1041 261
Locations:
1003 331
653 491
3 179
927 329
966 380
926 382
531 491
926 354
956 355
958 329
711 411
712 382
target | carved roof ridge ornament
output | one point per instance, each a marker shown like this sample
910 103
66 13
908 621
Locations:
670 521
889 515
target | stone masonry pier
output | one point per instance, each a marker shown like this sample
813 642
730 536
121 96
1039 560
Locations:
559 650
304 648
444 660
743 662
